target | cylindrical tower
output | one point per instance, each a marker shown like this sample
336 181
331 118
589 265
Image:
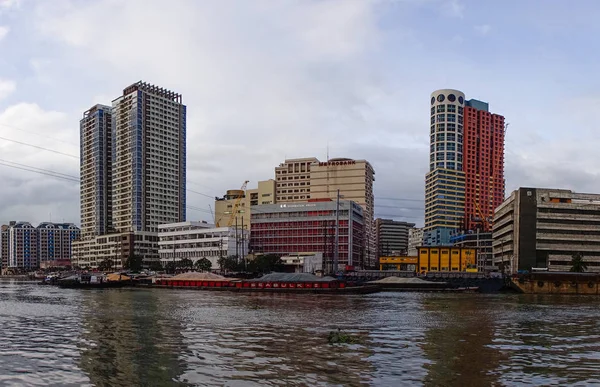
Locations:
446 134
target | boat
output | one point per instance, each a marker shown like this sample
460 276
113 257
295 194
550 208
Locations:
548 282
94 281
303 283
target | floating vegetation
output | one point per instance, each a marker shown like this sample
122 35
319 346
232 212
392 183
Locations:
339 337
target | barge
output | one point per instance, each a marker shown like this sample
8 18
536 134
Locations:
557 283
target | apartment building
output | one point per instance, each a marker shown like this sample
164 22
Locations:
265 193
544 228
25 247
133 172
95 129
392 236
197 240
149 158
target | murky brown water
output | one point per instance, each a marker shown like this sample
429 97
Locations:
119 337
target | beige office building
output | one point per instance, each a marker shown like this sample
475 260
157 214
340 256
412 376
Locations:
299 180
263 194
293 179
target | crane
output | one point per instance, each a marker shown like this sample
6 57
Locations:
234 209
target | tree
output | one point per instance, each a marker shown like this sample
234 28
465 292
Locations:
266 264
134 262
105 265
577 263
186 264
203 264
228 263
155 266
170 267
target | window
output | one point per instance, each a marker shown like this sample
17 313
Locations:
441 108
452 117
441 117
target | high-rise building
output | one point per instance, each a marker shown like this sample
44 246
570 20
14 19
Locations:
392 236
415 240
95 129
149 158
133 173
465 181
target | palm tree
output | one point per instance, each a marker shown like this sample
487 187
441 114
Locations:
577 263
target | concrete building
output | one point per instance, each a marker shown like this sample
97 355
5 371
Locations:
354 179
415 239
95 130
544 228
465 181
149 158
265 193
133 173
197 240
55 243
303 263
293 180
392 237
116 248
289 229
482 243
25 247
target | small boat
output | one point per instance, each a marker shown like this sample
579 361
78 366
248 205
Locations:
94 281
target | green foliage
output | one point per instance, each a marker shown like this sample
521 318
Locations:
577 263
228 263
170 267
203 264
105 265
265 264
134 263
155 266
339 337
185 264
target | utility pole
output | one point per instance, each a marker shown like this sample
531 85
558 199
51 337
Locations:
336 251
237 247
243 240
173 239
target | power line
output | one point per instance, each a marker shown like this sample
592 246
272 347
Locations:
401 199
39 147
39 134
40 171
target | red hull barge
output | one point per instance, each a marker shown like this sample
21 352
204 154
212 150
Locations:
270 283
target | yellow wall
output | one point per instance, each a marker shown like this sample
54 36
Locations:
446 258
264 194
397 261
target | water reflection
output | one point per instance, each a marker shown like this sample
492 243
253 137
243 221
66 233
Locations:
129 338
458 342
158 337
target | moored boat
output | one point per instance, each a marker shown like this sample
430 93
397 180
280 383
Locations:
94 281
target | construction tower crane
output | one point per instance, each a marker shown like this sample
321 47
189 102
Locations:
238 200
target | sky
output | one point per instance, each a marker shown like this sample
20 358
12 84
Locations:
268 80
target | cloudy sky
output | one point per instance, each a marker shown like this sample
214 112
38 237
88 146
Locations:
264 80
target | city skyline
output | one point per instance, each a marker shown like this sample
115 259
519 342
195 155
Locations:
319 78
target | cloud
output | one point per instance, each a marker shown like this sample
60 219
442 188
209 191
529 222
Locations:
4 31
454 8
483 29
7 87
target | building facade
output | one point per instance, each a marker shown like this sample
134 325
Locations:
446 259
149 158
115 248
95 129
392 237
544 228
133 174
415 239
290 229
25 247
265 193
197 240
465 181
482 243
293 180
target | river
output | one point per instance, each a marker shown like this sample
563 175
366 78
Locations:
160 337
